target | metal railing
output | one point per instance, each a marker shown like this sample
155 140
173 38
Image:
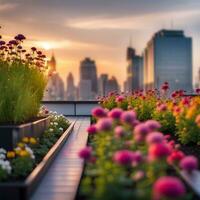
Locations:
71 108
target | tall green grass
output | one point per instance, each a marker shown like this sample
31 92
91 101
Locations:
21 91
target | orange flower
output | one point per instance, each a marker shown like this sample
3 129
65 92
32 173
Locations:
10 154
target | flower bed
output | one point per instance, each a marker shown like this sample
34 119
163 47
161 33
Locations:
133 151
22 168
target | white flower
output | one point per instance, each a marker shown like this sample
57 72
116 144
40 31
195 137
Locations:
30 151
60 129
2 151
56 123
5 165
2 156
50 130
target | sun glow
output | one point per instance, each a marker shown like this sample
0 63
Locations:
46 45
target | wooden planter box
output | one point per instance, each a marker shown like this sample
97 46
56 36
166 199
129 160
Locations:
24 190
10 135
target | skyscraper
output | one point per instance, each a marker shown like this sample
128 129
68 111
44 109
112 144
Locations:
71 89
55 87
168 57
134 71
111 85
103 79
88 75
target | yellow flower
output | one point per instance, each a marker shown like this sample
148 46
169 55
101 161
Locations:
25 140
21 145
10 154
33 141
23 153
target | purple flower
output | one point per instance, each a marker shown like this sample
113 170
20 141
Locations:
152 125
123 157
99 112
115 113
14 42
189 163
140 132
20 37
154 137
119 132
168 187
128 117
33 49
2 42
104 124
85 153
92 130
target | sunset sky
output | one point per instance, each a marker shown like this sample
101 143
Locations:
100 29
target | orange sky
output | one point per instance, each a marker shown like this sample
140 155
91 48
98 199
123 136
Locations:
97 29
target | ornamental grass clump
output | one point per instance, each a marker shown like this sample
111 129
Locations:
22 81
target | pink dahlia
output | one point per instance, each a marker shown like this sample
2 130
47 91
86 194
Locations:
168 187
175 157
159 150
119 132
128 117
85 153
92 129
123 157
154 137
115 113
152 125
99 112
104 124
189 163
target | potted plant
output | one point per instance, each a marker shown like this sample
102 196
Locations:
22 84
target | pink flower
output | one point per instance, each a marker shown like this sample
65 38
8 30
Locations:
167 137
154 137
115 113
138 175
137 157
104 124
85 153
159 150
92 130
162 108
189 163
198 90
119 132
168 187
152 125
119 99
99 112
140 132
128 117
175 157
123 157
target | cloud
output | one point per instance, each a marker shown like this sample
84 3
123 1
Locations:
7 6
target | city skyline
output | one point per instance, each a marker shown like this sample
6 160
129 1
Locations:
100 30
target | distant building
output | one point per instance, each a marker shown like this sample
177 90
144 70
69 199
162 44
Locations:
55 87
103 79
168 57
111 85
88 75
71 89
134 71
85 90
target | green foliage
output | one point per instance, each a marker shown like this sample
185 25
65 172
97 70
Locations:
22 166
3 174
21 91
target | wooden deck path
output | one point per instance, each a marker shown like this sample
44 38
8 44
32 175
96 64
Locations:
62 179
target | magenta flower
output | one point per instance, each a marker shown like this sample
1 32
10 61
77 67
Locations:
104 124
189 163
99 112
137 157
152 125
119 99
175 157
159 150
92 130
168 187
154 137
85 153
128 117
123 157
141 129
20 37
115 113
119 132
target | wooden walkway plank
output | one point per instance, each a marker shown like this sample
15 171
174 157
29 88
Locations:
62 179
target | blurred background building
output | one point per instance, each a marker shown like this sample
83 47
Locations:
168 57
71 88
